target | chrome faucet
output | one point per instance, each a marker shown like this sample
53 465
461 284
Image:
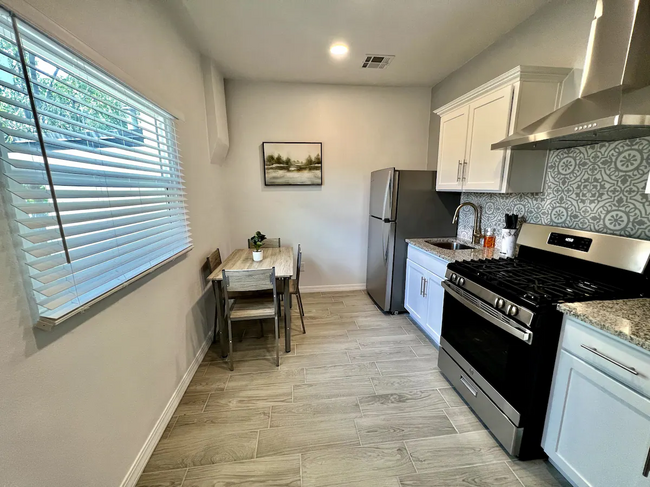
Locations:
476 236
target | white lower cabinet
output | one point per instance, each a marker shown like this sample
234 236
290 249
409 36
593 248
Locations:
597 428
414 300
435 296
424 294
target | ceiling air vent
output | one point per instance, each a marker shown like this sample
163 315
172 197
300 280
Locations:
376 61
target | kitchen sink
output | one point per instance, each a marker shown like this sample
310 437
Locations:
449 245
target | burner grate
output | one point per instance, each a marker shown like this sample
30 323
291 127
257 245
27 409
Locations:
535 283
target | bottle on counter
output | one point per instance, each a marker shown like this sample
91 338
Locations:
490 239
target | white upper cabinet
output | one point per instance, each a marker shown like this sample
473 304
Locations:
489 117
453 138
470 124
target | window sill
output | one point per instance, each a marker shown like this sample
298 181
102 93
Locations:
48 324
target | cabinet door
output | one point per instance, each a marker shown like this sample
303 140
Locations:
451 152
489 118
414 300
597 430
435 294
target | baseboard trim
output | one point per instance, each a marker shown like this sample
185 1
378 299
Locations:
145 453
332 287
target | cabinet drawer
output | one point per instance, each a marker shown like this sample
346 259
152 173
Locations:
431 263
578 335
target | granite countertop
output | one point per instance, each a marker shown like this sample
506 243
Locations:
628 319
447 255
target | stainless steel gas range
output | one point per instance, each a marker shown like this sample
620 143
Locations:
500 326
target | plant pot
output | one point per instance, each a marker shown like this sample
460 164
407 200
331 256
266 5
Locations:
257 255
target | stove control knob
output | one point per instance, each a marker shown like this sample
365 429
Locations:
499 303
513 310
454 278
461 281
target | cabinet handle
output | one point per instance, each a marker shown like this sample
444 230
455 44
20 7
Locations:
646 467
464 166
472 391
421 284
424 292
631 370
458 172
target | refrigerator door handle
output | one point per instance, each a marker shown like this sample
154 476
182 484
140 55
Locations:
383 246
386 194
384 242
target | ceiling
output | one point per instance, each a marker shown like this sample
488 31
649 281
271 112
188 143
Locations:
289 40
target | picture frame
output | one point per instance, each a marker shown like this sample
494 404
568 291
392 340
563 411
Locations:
292 163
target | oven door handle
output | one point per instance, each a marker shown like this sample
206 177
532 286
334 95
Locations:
509 327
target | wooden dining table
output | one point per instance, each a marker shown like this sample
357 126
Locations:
242 259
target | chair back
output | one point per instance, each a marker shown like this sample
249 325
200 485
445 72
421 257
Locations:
299 263
249 280
214 260
269 243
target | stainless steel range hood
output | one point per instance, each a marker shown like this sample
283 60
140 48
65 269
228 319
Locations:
614 101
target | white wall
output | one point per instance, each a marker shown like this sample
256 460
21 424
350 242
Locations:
78 403
362 129
556 35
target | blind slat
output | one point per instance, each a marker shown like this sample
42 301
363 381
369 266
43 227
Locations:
60 290
26 176
170 144
49 112
55 245
63 144
52 262
80 165
37 208
108 168
41 194
110 244
43 234
65 271
45 221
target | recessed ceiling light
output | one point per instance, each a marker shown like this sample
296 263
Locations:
339 49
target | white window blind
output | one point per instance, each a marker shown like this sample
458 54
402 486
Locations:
91 169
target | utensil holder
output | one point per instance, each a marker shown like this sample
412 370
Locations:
508 240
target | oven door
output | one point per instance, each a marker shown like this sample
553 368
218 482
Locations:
490 343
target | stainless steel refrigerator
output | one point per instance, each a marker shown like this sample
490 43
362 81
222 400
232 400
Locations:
403 204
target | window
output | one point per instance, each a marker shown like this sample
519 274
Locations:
92 172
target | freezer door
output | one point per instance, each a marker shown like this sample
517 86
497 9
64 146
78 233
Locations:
382 189
379 274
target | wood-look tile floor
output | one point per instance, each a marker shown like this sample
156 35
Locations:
358 402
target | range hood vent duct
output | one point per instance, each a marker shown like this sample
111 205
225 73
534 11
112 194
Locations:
614 102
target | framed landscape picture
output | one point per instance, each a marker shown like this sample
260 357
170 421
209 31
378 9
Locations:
293 163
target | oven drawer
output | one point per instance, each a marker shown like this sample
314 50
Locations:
608 354
499 424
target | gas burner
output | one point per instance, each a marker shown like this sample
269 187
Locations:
533 282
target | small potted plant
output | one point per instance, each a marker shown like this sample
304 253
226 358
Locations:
258 240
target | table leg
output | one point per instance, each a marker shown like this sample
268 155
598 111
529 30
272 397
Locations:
287 315
220 319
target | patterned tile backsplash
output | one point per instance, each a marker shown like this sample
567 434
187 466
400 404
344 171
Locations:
600 188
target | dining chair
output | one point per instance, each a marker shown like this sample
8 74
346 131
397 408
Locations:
294 290
269 243
251 309
214 261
